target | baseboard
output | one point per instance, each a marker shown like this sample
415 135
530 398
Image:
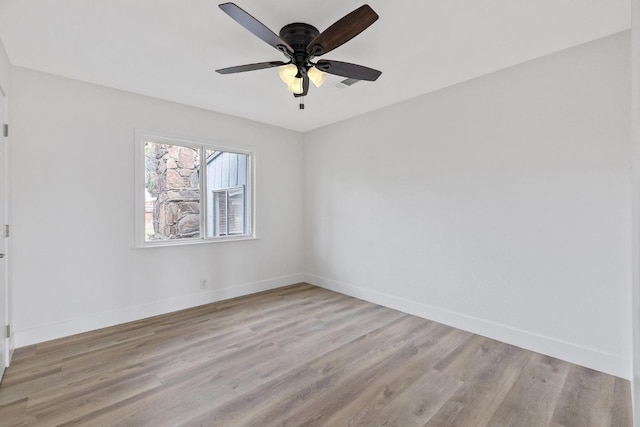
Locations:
68 327
570 352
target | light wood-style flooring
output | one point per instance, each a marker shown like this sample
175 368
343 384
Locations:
300 356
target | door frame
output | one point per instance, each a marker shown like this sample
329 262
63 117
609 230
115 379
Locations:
635 210
10 342
7 343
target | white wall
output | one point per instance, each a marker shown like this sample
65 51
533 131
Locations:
500 205
74 268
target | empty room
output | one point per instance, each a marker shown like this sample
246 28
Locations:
293 213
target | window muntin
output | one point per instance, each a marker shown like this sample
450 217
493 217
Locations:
193 192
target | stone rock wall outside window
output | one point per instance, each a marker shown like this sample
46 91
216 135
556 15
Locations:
172 181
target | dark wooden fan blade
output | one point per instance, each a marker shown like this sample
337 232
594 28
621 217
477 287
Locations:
343 30
346 69
256 27
250 67
305 87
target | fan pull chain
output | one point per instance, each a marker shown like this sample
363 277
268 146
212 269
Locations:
302 102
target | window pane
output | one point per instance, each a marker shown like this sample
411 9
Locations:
220 213
226 200
172 192
235 210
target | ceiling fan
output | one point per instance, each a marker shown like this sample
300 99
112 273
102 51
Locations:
301 43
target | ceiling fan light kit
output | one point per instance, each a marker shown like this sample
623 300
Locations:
287 72
301 43
289 75
316 76
295 86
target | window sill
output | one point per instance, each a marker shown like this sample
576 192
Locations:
167 243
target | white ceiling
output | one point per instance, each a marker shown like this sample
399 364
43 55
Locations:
169 49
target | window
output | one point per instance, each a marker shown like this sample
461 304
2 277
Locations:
190 192
228 212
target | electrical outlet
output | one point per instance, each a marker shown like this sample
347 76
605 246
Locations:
203 284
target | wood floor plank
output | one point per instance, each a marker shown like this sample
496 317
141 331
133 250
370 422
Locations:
224 390
59 411
300 356
346 385
365 346
404 391
418 403
586 399
303 381
533 398
143 352
259 399
621 411
488 376
14 414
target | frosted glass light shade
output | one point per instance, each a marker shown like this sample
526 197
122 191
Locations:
296 86
287 73
316 76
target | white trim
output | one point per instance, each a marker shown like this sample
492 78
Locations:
7 219
570 352
197 241
105 319
6 342
635 210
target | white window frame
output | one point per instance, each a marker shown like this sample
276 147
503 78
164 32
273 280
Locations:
142 136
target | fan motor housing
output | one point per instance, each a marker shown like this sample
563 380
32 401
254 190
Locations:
299 35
